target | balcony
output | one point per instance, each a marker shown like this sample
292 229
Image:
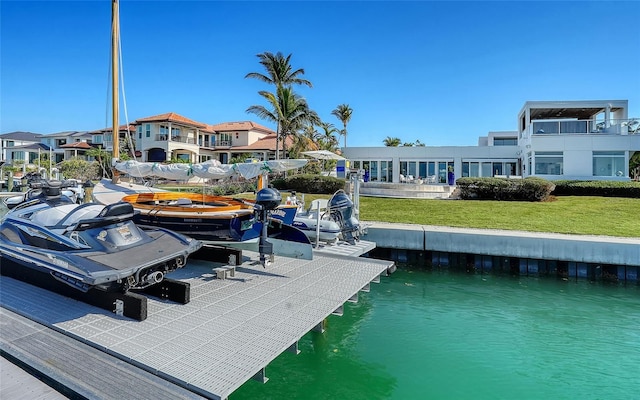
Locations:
180 139
585 127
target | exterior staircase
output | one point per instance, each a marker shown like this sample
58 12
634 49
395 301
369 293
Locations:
406 190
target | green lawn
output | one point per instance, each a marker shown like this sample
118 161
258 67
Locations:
607 216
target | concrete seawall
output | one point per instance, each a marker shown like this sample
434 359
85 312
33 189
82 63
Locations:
534 245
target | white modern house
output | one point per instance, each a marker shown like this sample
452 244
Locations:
582 140
19 146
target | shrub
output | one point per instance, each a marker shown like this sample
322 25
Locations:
597 188
528 189
318 184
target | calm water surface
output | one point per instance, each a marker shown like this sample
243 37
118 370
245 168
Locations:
435 335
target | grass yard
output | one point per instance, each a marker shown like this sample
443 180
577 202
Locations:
609 216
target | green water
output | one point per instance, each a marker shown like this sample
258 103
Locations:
435 335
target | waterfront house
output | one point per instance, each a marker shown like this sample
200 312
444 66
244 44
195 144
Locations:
582 140
19 146
66 145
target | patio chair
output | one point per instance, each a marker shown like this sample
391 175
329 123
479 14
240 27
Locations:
403 179
410 179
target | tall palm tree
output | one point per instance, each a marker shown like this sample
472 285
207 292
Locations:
291 110
280 74
343 113
327 138
279 71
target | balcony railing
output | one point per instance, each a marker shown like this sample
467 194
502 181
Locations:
585 127
181 139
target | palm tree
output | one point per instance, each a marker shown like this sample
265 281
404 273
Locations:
279 73
392 141
290 110
306 140
343 113
327 139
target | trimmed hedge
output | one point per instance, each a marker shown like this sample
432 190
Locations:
317 184
598 188
528 189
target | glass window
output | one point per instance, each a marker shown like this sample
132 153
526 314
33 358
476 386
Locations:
510 168
541 128
505 141
608 163
386 171
474 169
148 130
431 168
422 169
403 168
442 172
497 168
573 127
373 174
412 169
465 169
549 163
486 169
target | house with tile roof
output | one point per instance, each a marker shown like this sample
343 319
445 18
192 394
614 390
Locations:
170 136
62 144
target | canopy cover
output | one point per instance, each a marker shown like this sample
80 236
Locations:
323 155
210 169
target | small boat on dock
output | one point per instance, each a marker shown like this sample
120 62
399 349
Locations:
327 220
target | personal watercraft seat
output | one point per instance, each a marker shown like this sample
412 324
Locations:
117 210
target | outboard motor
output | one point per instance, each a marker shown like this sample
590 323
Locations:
267 199
341 210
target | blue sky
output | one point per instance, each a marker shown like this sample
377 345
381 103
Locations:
443 73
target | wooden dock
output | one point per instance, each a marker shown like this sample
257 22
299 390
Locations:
229 332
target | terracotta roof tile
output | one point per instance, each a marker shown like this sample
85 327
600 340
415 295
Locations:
172 117
121 128
240 126
266 143
76 145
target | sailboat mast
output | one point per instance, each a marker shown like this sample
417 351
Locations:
115 57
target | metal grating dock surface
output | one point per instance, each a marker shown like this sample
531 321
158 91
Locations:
345 249
229 332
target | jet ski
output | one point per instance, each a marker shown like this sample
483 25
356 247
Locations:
87 246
